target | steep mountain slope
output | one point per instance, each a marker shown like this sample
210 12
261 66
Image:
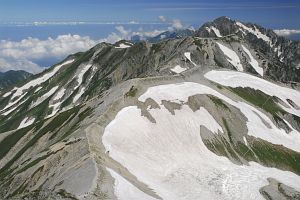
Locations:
185 118
9 78
284 53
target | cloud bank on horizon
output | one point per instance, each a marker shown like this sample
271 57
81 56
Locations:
26 54
287 32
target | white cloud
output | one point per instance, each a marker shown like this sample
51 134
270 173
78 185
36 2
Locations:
25 54
144 34
32 48
286 32
162 18
176 23
7 64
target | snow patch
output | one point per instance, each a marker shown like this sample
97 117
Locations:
78 95
38 89
123 46
178 69
44 97
124 190
26 122
188 56
232 57
59 94
255 31
253 62
82 72
215 30
80 80
245 140
55 107
6 94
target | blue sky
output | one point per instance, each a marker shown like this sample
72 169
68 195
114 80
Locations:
270 13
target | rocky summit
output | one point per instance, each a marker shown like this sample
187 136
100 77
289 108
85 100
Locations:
210 114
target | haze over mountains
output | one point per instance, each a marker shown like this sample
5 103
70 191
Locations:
206 114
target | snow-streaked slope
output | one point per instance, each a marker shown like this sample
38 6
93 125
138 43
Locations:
124 190
44 97
238 79
188 56
79 75
253 62
215 30
78 95
26 122
59 94
81 72
254 31
20 91
178 69
170 157
57 99
232 57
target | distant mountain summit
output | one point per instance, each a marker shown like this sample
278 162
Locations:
176 34
12 77
283 53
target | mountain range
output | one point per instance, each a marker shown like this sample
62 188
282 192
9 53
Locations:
206 114
9 78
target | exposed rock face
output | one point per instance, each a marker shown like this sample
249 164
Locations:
284 54
96 125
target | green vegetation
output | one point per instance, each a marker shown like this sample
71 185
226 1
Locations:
87 112
218 102
263 101
198 42
63 193
259 99
33 163
50 127
132 92
19 190
7 143
258 150
276 156
227 130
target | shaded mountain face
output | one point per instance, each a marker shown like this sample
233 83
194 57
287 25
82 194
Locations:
9 78
186 118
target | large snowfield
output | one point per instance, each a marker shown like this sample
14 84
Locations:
170 157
